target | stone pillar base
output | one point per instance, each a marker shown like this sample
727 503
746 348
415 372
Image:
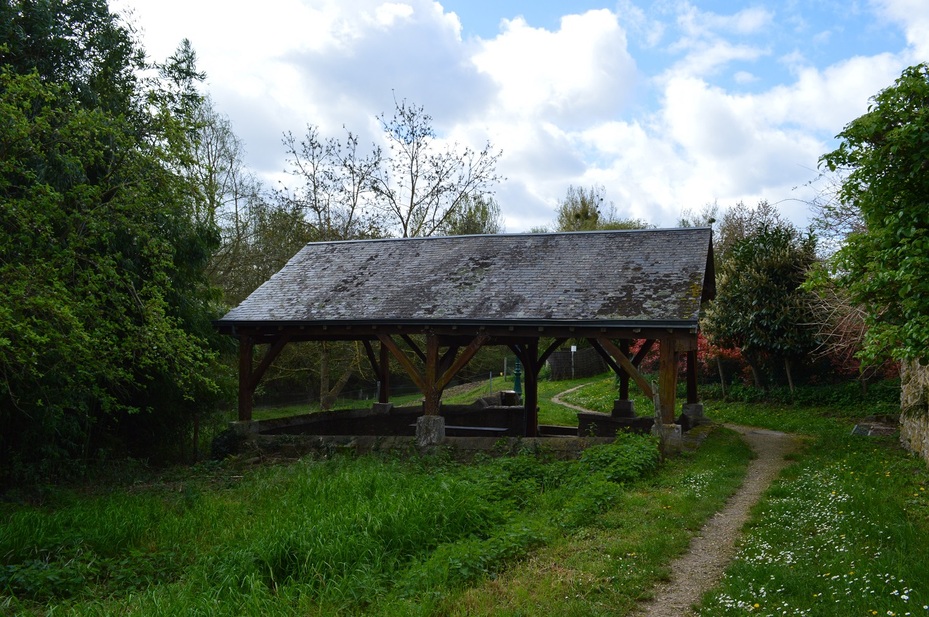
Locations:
623 408
381 408
430 430
670 436
694 411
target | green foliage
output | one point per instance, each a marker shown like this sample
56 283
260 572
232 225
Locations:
585 209
841 532
628 458
885 266
760 305
345 532
104 310
474 215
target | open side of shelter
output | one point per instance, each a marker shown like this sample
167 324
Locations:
432 303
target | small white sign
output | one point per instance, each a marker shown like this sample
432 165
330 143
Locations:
573 348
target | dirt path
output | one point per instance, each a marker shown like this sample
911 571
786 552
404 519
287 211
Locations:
701 568
711 550
557 398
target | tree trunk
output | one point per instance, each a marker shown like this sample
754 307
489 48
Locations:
722 376
790 377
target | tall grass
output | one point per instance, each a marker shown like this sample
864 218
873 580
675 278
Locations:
344 535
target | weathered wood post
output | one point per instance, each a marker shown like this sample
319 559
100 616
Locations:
430 427
668 432
246 389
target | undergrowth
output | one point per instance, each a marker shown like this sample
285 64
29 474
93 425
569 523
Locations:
315 537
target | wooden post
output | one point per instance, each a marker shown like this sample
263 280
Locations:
624 375
531 397
692 398
667 379
383 395
432 394
246 389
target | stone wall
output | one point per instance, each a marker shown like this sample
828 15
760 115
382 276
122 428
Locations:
914 408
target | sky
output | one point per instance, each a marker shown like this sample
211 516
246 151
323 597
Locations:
669 105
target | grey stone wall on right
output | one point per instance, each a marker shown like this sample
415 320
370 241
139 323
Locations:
914 407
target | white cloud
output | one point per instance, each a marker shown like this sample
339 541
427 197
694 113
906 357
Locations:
579 104
582 70
912 16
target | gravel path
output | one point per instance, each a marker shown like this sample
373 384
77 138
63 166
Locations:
711 550
701 568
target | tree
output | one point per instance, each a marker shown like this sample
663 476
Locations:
104 308
586 209
760 306
884 262
423 184
337 192
476 215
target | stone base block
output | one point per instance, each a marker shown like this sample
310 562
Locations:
430 430
381 408
670 436
623 408
694 411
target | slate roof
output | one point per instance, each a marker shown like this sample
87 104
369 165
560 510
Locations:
641 277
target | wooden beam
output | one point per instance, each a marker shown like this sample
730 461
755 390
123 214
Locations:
447 358
607 357
626 363
531 394
372 359
409 341
268 358
548 352
643 351
404 361
460 362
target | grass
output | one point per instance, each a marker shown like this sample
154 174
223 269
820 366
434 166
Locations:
549 412
841 533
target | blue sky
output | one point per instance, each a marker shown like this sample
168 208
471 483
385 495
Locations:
669 105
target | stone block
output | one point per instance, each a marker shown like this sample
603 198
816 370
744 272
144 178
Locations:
430 430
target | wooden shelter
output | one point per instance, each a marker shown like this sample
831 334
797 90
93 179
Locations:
461 293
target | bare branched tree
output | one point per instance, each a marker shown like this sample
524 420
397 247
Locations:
423 183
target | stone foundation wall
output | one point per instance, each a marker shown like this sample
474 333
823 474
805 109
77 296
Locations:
914 408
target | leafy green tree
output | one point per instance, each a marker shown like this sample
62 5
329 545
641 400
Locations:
884 261
586 209
104 308
476 215
760 305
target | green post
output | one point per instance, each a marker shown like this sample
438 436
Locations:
517 373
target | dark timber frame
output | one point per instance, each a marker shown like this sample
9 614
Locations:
451 341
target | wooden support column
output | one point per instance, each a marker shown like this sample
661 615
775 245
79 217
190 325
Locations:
623 374
532 363
667 380
531 396
246 390
692 398
250 376
432 394
383 395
